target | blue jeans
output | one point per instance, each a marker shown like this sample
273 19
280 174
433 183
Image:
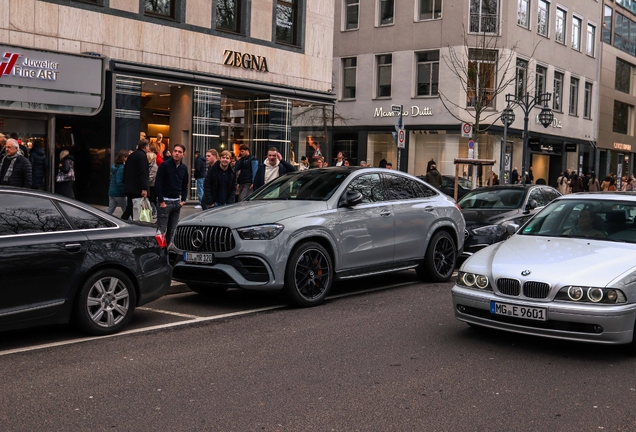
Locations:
200 190
168 217
114 202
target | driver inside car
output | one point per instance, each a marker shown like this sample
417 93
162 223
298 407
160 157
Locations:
584 226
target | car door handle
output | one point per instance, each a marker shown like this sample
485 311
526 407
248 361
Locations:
73 247
385 213
429 208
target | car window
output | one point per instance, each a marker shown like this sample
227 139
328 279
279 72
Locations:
551 194
493 199
24 214
83 219
312 185
446 183
536 195
401 188
423 191
466 184
370 186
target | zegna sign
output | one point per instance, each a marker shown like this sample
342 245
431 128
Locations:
414 112
245 61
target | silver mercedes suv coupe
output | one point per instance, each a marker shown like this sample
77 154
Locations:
304 230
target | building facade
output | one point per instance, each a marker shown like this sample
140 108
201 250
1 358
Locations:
207 74
400 52
616 140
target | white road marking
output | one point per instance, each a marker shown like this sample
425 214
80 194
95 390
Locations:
193 319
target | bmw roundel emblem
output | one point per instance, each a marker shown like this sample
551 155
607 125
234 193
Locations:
197 239
525 272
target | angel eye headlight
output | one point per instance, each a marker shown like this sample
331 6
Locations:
472 280
591 295
595 294
481 282
469 279
575 293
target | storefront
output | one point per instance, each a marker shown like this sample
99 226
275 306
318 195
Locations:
41 87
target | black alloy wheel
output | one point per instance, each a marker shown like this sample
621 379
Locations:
309 275
440 259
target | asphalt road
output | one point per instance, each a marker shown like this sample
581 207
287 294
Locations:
392 359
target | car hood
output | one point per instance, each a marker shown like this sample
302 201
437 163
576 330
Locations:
488 217
248 213
557 261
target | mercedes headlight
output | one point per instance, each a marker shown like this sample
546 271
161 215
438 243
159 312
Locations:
472 280
260 232
490 230
583 294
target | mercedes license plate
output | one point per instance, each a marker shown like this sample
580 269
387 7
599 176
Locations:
532 313
198 257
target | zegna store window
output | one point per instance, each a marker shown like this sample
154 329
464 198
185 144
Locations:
207 117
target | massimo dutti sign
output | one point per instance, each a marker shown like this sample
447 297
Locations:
245 61
48 81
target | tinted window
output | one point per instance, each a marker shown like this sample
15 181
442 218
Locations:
370 186
402 188
423 191
493 199
551 194
312 185
23 214
538 197
83 219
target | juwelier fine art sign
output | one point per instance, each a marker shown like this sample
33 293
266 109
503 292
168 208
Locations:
415 111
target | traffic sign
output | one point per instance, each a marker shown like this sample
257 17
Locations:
396 108
467 130
471 144
401 138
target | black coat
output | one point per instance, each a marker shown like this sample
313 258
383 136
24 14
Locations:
199 167
39 166
21 176
212 184
136 174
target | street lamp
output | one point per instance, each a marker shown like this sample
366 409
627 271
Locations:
507 118
527 102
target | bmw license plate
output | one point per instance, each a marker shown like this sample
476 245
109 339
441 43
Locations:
198 257
532 313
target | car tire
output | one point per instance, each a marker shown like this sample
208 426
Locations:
207 290
440 259
105 303
309 275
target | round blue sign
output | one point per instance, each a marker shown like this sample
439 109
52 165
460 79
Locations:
471 144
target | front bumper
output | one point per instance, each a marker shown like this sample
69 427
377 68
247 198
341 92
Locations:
576 322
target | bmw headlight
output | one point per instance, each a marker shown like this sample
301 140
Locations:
472 280
490 230
260 232
583 294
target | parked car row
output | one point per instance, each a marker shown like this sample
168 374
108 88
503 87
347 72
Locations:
536 263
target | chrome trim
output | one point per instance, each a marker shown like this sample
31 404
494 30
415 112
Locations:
58 232
378 272
57 303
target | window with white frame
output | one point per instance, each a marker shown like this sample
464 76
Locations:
430 9
384 65
521 81
576 33
540 80
587 101
607 24
484 16
543 17
523 13
351 14
574 96
559 34
557 92
590 40
386 13
349 67
427 73
482 75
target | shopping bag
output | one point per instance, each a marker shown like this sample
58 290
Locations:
141 210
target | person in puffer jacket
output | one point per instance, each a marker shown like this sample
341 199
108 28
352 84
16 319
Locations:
39 165
116 190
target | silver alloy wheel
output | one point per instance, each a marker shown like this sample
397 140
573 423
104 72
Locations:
312 274
108 302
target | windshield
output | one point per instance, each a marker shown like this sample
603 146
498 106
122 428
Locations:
465 183
493 199
600 219
310 185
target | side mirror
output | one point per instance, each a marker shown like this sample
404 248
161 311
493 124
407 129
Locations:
351 198
512 228
532 204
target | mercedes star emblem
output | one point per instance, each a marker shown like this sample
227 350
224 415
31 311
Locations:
525 272
197 238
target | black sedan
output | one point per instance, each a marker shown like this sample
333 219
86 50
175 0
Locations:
61 261
448 186
488 210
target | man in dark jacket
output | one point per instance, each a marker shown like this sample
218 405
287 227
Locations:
39 165
220 183
273 168
15 169
433 177
171 186
136 177
246 168
199 175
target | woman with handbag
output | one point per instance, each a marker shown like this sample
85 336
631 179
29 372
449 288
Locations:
66 175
